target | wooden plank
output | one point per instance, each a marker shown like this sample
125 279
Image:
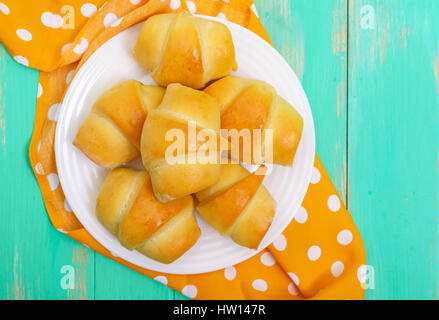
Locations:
311 36
115 281
33 252
393 142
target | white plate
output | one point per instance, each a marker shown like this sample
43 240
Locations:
81 179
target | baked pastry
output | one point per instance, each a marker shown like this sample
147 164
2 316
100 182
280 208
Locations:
251 104
110 135
127 208
174 141
238 205
181 48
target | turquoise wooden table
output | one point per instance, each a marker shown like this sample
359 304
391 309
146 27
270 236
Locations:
371 72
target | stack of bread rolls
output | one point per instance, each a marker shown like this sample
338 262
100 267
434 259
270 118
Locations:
152 211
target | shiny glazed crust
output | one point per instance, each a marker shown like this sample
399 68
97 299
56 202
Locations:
110 135
252 104
238 205
181 48
127 207
191 171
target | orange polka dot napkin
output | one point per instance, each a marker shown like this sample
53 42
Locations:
320 255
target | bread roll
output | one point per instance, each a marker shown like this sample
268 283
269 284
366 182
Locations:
126 207
180 48
238 205
252 104
173 141
110 135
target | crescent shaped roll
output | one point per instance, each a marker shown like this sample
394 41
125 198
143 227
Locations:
180 143
127 208
181 48
252 104
110 135
238 205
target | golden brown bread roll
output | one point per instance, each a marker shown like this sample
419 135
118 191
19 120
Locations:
126 206
178 172
252 104
180 48
238 205
110 135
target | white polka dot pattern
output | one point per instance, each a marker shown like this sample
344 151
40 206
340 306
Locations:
334 203
162 279
88 10
230 273
344 237
190 291
4 8
315 178
221 16
65 47
51 20
24 34
81 47
175 4
191 6
39 168
294 277
337 268
109 19
53 181
301 215
69 76
280 243
314 253
21 60
260 285
292 289
267 259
